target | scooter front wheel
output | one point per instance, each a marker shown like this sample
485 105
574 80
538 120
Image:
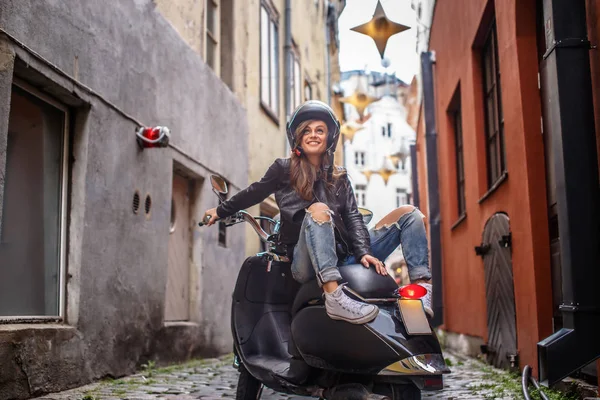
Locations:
248 388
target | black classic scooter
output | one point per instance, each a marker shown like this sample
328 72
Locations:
283 338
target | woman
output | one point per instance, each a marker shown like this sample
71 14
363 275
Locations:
320 222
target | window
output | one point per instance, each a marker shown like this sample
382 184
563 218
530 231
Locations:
389 130
383 131
212 33
269 59
33 232
361 194
460 165
401 197
307 91
494 119
360 158
295 82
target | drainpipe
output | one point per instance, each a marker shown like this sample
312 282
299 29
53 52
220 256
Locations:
569 120
427 61
328 18
415 175
288 56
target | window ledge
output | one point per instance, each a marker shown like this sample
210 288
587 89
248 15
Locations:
495 186
269 112
459 221
181 324
6 326
41 320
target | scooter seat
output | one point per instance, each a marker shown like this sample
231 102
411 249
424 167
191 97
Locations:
364 281
292 370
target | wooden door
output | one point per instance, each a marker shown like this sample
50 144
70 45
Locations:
499 290
177 304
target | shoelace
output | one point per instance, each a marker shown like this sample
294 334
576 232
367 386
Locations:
350 305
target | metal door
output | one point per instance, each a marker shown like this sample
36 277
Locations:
177 304
500 294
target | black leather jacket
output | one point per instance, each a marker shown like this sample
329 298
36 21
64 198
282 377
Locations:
352 236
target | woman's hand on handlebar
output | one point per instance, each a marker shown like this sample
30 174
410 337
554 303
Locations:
213 216
368 259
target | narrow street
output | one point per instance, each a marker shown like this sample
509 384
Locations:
216 379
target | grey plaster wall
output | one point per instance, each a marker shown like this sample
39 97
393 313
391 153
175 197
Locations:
135 64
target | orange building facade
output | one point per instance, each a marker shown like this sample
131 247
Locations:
500 258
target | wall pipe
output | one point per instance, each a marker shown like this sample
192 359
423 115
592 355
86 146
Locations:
416 200
427 62
327 55
569 120
288 58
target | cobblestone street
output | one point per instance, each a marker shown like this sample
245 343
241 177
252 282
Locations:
216 379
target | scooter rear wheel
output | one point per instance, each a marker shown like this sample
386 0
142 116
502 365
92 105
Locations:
398 392
248 387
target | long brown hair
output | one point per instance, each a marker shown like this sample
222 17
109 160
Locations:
303 174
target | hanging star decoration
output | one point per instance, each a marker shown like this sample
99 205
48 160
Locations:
395 159
385 174
380 28
387 169
363 119
367 173
360 100
349 129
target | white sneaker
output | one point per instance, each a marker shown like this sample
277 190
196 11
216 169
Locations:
341 307
426 300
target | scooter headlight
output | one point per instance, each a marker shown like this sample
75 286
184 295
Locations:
423 364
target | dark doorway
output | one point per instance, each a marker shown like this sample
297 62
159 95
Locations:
500 294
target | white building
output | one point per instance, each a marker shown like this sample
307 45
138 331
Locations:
377 157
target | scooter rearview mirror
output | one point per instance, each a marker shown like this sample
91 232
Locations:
218 184
366 214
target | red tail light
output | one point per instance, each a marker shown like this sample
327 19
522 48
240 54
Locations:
413 292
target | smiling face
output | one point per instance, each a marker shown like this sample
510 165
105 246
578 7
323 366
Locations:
314 138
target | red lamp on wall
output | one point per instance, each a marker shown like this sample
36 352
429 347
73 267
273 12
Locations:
157 136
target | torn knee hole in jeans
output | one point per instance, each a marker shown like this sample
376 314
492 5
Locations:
388 226
396 223
329 213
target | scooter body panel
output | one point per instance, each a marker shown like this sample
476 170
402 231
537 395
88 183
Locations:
339 346
261 320
358 349
274 317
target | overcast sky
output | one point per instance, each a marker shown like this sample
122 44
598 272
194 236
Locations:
358 51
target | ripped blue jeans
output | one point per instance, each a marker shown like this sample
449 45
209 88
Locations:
315 254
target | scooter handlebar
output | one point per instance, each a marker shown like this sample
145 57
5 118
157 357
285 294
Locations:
205 220
239 217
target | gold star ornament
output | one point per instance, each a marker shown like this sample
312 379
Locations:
360 101
385 174
349 130
380 28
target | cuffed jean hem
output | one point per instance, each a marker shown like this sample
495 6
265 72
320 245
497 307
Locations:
419 273
330 274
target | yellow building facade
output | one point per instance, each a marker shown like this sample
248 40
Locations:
246 43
